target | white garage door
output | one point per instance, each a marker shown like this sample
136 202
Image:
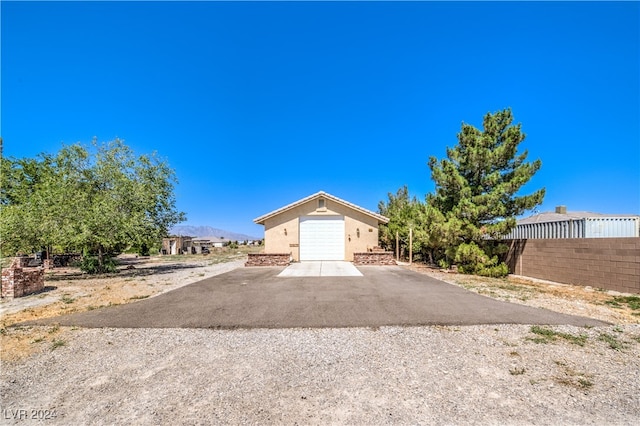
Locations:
322 238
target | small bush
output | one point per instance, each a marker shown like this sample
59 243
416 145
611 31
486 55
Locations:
471 259
497 271
91 265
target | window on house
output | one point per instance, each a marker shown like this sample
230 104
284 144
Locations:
321 203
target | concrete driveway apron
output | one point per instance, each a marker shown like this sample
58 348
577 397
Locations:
258 298
321 268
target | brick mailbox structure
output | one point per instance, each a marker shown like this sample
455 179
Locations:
19 280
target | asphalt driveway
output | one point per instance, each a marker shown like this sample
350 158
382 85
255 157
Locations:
258 298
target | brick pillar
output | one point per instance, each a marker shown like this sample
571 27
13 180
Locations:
8 280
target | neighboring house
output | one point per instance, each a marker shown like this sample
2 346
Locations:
206 243
176 245
563 224
320 227
190 245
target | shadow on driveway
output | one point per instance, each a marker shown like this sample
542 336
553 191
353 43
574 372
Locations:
257 298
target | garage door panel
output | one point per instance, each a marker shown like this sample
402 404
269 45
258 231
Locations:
322 238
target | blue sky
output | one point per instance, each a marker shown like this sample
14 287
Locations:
256 105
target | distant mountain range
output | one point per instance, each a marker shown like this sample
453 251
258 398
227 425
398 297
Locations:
207 231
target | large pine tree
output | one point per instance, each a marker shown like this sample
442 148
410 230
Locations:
477 189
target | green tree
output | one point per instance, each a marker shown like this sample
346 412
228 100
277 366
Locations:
35 202
97 201
432 234
404 213
477 188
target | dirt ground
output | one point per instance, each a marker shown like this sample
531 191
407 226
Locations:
600 304
68 290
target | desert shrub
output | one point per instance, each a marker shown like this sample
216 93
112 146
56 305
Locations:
91 265
471 259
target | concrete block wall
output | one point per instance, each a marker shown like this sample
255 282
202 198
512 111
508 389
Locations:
374 258
609 263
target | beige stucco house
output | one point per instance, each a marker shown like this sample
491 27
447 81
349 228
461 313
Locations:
321 227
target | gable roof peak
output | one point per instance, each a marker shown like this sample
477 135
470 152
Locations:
260 220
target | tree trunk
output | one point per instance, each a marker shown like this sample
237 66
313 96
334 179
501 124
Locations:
100 258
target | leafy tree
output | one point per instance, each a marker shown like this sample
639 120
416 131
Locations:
35 202
430 229
97 202
404 213
432 234
476 192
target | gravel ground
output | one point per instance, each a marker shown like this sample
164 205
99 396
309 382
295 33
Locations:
505 374
391 375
